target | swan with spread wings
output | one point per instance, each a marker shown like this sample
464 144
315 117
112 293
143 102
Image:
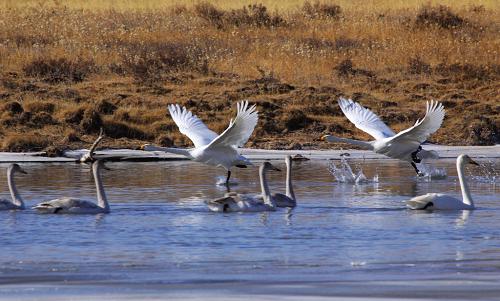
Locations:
405 145
210 148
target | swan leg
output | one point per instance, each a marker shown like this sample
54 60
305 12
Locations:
228 176
419 173
414 155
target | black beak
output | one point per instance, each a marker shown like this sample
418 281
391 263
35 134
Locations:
474 162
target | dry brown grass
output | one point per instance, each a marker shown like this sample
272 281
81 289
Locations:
77 67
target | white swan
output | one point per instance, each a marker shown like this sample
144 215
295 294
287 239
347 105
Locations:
210 148
78 206
439 201
288 199
406 145
236 202
17 202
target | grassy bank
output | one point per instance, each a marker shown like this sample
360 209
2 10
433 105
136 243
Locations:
70 67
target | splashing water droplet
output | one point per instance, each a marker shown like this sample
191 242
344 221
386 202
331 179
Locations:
344 174
431 172
489 172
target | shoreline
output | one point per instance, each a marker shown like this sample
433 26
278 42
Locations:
444 151
418 289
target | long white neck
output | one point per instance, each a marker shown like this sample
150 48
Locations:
173 150
363 144
266 194
466 197
16 197
289 188
102 201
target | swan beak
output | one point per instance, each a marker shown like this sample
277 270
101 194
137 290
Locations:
323 138
23 171
276 168
473 162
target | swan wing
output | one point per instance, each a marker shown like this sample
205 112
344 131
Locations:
191 126
282 200
239 129
424 128
66 203
6 205
421 201
364 119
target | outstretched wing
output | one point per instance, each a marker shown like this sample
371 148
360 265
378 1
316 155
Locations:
191 126
364 119
239 129
427 126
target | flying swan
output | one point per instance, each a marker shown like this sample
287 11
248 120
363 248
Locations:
406 145
236 202
17 202
288 199
439 201
210 148
77 206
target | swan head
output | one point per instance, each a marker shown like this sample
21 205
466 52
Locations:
145 147
326 138
268 166
467 160
16 168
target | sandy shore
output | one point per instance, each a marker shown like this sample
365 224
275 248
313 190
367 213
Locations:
444 152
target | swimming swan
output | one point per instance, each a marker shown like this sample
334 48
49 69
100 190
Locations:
210 148
406 145
78 206
236 202
17 202
439 201
288 199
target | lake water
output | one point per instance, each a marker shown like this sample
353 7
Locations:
160 238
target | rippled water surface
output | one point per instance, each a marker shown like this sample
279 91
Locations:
160 231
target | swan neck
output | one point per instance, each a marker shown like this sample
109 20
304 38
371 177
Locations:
467 199
16 197
173 150
266 194
363 144
102 200
289 188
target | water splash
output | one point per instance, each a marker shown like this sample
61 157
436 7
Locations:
344 173
221 181
489 172
431 172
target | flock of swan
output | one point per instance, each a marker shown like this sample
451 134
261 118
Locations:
222 150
